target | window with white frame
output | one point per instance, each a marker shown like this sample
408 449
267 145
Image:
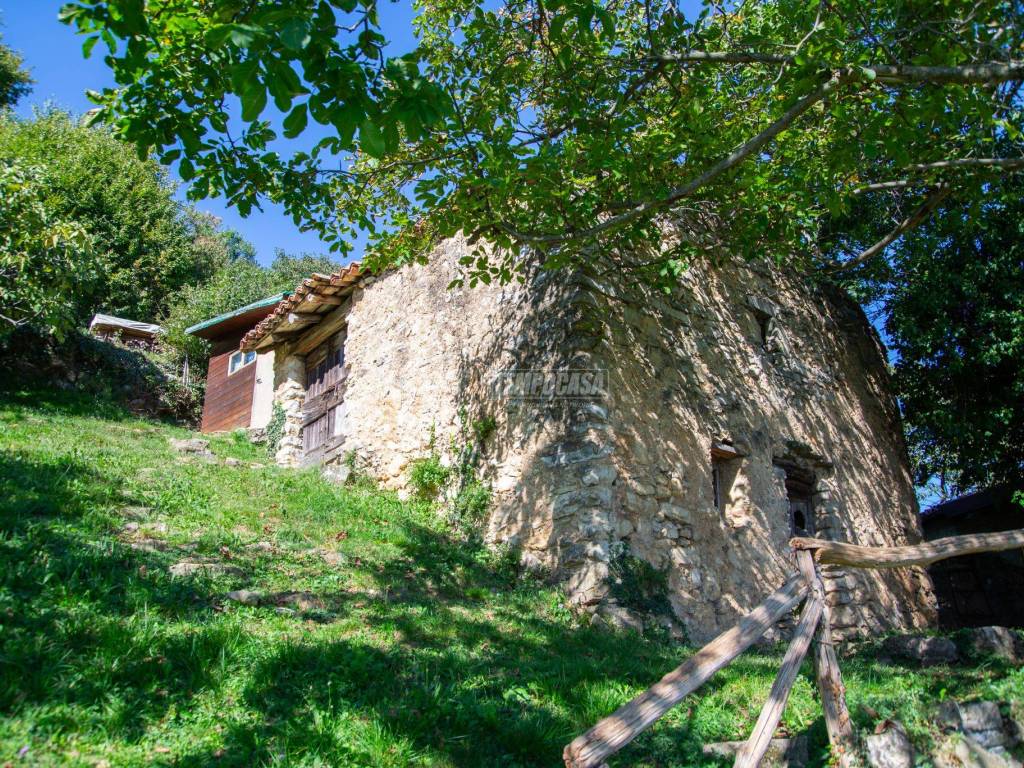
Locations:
239 360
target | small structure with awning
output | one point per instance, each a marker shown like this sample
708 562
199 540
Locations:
130 332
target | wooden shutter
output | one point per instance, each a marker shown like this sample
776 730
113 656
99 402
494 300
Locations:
318 431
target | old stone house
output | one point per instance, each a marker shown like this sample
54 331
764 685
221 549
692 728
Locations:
697 432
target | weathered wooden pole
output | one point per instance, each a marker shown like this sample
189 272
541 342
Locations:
838 553
826 671
630 720
753 751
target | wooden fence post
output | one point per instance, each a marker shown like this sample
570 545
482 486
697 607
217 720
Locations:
630 720
753 751
827 674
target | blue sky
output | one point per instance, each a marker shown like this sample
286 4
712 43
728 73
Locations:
53 53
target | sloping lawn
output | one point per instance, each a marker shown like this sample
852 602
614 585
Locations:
380 638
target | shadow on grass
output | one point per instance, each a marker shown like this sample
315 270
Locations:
87 621
458 661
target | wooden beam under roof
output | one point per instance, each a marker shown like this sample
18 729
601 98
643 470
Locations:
323 298
330 324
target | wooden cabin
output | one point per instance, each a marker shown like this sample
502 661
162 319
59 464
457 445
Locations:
239 385
984 589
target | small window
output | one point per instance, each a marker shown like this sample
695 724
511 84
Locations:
724 469
765 327
239 360
716 485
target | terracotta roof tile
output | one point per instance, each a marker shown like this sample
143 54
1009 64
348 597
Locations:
307 293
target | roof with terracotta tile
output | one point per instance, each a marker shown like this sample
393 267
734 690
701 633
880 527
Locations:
314 298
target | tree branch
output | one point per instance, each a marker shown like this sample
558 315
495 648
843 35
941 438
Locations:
727 163
930 203
1001 163
983 72
1008 163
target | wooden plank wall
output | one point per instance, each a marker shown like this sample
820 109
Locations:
228 403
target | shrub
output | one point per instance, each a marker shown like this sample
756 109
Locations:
471 504
429 476
483 428
637 584
275 429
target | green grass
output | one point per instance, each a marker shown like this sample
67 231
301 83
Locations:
424 648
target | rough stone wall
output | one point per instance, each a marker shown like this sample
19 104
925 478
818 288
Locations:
420 361
743 355
789 376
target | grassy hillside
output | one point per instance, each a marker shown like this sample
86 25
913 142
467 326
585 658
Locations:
383 640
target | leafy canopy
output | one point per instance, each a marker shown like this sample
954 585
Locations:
43 259
184 69
952 295
15 81
571 126
145 245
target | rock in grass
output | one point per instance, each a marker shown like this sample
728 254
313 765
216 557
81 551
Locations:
961 751
245 597
193 568
925 649
302 601
192 445
782 753
332 557
1000 642
232 462
148 545
890 748
136 512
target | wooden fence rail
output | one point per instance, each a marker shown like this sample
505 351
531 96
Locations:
614 732
838 553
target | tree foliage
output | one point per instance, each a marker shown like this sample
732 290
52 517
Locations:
237 283
566 125
44 260
15 81
181 66
952 296
145 244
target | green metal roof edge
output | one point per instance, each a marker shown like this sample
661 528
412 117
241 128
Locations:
235 312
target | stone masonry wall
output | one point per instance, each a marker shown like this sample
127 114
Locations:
789 375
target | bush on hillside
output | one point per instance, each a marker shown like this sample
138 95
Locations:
146 244
235 284
145 382
428 476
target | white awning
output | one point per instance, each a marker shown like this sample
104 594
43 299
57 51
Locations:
103 322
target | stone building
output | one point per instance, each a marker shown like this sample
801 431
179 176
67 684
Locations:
697 432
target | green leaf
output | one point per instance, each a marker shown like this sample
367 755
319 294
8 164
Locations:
242 75
295 34
371 139
296 121
186 170
243 35
607 23
89 44
254 100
